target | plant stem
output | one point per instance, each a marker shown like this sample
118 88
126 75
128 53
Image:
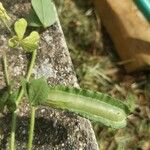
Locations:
6 71
13 124
13 129
21 93
31 131
6 25
32 121
34 53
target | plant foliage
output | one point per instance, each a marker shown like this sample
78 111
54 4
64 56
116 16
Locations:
37 91
45 12
29 43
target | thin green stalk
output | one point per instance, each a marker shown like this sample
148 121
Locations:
13 124
31 131
13 129
6 25
34 53
32 121
6 70
15 114
21 93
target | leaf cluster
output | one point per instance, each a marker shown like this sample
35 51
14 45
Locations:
29 43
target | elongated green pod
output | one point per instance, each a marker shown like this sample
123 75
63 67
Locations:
95 106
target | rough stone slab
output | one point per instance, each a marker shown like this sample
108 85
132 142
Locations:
54 129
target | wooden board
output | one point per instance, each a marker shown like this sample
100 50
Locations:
129 30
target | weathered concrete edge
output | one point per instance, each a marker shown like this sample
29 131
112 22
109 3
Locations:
86 120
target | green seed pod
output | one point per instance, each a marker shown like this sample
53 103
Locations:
95 106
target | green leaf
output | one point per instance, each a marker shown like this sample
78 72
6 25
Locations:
20 28
8 99
33 19
11 102
13 42
30 43
37 91
4 94
45 11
